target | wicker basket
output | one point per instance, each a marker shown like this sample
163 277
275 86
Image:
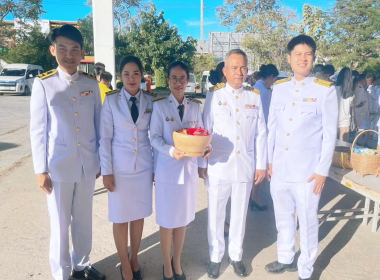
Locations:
192 145
365 164
342 157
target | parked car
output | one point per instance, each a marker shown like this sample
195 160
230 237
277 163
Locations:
205 83
191 88
282 75
18 78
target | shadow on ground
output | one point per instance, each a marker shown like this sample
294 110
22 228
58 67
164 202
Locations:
7 146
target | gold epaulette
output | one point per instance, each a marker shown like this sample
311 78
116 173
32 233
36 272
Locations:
86 75
47 74
150 93
217 86
195 100
283 81
323 82
112 92
255 90
159 98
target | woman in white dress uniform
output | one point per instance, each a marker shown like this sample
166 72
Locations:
127 162
176 176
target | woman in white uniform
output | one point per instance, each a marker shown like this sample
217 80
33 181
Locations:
176 176
127 163
265 79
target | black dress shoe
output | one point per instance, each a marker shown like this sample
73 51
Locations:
213 270
88 273
177 276
137 275
227 233
299 278
163 274
253 205
277 268
239 267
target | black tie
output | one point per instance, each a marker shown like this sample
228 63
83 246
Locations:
134 111
180 110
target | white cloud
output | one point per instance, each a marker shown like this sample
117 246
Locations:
198 22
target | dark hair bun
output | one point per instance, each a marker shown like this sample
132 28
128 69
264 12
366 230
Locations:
214 77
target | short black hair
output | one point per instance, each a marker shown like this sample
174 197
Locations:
181 65
267 71
328 69
355 73
362 77
98 71
318 68
301 40
106 76
130 59
217 74
67 31
100 64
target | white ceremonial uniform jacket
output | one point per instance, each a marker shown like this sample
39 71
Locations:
65 115
124 145
236 121
302 127
165 120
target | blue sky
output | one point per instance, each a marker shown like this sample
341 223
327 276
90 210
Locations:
185 15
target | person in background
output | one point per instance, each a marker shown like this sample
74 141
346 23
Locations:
253 78
98 69
64 128
302 129
317 68
374 118
364 112
266 77
148 84
127 162
346 102
176 177
328 71
217 76
104 84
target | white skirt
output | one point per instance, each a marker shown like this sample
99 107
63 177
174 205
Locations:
132 197
175 204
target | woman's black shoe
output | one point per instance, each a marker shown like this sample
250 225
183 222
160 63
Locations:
122 277
227 233
176 276
253 204
163 273
137 275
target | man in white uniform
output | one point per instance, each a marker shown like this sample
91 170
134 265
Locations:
302 123
65 113
234 116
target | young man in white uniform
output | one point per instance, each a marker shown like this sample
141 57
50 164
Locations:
65 113
302 123
234 116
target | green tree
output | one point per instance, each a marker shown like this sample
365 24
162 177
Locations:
204 62
22 10
86 27
157 44
314 22
353 37
31 48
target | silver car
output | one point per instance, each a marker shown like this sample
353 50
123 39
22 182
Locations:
191 88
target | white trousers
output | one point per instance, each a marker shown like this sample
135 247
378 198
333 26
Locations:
218 193
70 204
287 197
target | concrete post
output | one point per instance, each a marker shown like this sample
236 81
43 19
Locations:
104 35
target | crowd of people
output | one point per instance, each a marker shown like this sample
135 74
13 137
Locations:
287 136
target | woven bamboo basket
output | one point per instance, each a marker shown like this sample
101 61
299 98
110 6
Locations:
365 164
342 157
192 145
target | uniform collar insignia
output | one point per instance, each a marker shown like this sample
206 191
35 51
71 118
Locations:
67 77
232 90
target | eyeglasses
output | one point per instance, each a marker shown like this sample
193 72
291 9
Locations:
182 80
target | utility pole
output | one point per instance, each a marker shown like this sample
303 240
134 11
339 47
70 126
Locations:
202 9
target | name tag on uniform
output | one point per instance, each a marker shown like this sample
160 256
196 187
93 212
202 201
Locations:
247 106
309 100
147 111
193 123
86 93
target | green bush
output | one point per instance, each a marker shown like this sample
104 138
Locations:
160 75
119 84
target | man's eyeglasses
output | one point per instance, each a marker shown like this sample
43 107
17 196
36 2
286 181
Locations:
174 80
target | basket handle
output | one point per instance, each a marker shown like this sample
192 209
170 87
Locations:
364 131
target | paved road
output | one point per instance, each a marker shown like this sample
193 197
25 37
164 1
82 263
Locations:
348 250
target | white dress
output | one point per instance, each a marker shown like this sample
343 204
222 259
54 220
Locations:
344 106
176 180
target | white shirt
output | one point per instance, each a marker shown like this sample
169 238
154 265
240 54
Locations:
344 106
265 95
128 96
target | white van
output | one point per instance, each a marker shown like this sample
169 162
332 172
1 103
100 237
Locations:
191 88
206 85
18 78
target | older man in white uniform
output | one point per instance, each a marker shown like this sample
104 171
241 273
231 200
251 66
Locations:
65 113
234 116
302 124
